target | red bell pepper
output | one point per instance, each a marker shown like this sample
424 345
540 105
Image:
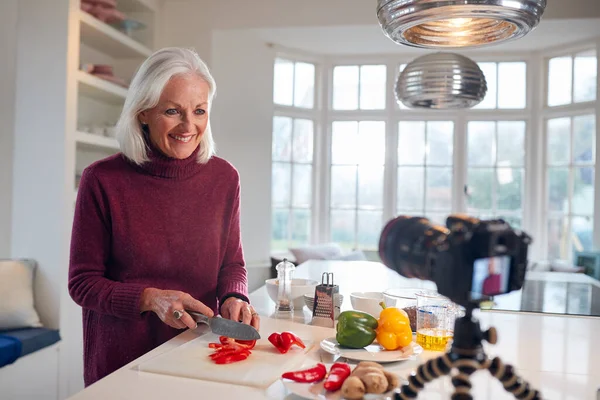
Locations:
337 375
314 374
285 340
246 343
230 358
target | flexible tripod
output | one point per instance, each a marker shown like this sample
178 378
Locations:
467 356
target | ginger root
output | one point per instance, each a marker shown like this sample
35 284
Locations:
368 377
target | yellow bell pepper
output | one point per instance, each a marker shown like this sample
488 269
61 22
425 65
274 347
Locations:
393 328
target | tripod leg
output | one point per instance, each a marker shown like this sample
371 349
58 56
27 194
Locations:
462 380
511 381
425 373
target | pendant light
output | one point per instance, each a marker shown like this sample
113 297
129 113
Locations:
441 81
458 23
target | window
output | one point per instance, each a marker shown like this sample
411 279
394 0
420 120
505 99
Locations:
496 163
570 184
356 194
506 85
359 87
291 182
425 153
294 84
572 79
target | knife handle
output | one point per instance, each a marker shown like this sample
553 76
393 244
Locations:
198 317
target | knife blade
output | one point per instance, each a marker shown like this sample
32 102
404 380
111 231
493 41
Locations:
226 327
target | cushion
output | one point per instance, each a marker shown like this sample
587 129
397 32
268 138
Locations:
32 339
16 295
356 255
316 252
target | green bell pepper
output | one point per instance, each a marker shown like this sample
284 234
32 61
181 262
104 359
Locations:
355 329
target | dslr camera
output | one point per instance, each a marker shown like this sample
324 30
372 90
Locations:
470 260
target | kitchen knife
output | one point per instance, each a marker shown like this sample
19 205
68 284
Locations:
226 327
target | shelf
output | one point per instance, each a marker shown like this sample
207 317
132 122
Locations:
93 141
97 88
108 40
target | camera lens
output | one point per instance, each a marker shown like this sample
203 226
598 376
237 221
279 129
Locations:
408 245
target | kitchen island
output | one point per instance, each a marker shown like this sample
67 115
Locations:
558 355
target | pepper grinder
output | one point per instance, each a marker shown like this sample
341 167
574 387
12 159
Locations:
285 304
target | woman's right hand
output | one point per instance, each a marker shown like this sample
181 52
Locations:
164 302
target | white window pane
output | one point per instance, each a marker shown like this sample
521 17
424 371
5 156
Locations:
585 77
558 189
437 218
509 190
513 221
302 183
371 142
438 193
282 139
303 140
344 142
370 187
411 143
342 228
283 82
411 186
582 233
584 143
400 104
480 184
511 143
280 223
557 238
300 227
512 85
583 191
559 141
490 72
372 87
343 186
345 88
281 184
560 73
369 229
481 143
304 90
440 142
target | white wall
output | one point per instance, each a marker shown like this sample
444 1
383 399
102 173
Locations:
241 119
8 50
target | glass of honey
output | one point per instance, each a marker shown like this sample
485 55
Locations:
435 320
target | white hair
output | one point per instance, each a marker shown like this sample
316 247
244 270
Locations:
144 92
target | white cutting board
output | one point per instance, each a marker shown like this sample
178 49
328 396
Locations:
263 367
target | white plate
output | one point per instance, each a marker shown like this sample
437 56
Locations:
315 391
373 352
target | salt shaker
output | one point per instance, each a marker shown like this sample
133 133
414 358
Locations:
285 304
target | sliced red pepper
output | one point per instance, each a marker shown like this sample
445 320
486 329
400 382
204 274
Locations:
229 352
337 375
215 345
288 339
246 343
314 374
285 340
231 358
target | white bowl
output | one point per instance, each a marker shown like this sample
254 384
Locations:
300 287
367 302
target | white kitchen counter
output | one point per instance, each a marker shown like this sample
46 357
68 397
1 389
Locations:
558 355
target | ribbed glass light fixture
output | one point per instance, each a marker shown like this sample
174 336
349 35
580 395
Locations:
441 81
458 23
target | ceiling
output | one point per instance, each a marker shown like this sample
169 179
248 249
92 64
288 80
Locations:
369 39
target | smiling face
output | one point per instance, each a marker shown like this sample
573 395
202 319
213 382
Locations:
177 123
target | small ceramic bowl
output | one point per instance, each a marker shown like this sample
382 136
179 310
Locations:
367 302
300 287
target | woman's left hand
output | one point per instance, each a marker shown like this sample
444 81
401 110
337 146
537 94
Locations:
238 310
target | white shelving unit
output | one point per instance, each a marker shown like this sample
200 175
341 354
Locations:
108 40
100 89
99 101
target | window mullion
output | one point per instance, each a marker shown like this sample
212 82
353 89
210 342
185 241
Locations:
596 220
460 165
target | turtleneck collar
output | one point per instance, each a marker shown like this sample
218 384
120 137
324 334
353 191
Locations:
167 167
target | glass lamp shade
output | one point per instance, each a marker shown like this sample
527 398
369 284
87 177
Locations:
441 81
457 23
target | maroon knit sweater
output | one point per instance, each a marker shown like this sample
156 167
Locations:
170 224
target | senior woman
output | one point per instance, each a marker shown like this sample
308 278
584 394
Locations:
157 227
